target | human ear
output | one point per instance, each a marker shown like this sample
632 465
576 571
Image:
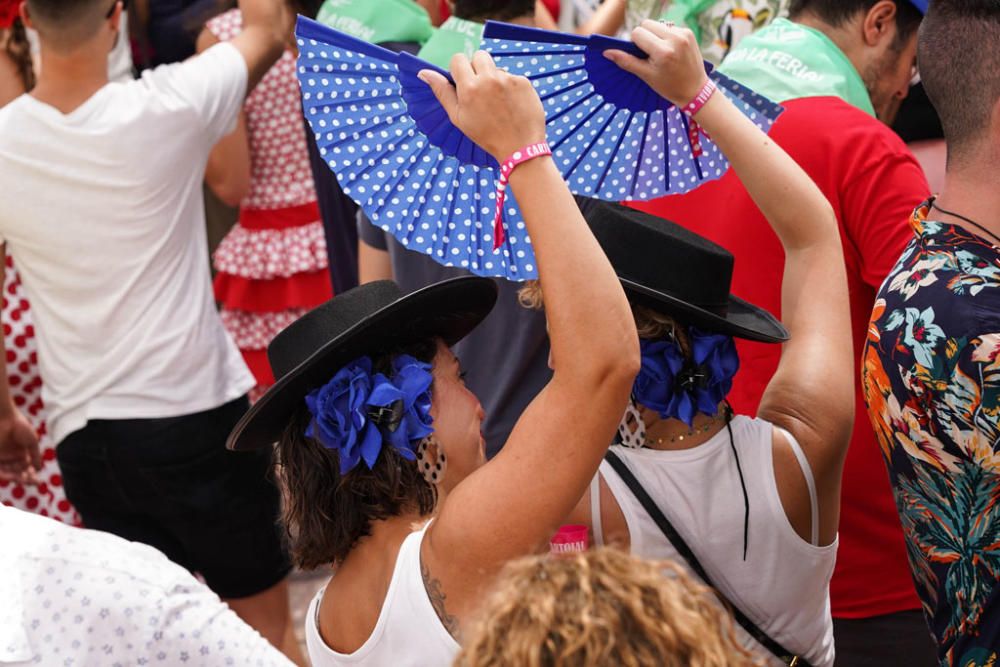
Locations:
879 22
25 15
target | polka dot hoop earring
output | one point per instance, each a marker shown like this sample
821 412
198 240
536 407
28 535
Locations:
432 467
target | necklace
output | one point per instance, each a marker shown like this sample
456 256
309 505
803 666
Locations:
964 219
704 428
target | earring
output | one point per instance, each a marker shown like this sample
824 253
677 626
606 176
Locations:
631 429
431 466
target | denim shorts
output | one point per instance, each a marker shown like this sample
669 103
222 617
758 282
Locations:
172 484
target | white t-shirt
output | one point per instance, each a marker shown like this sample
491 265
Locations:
103 214
82 597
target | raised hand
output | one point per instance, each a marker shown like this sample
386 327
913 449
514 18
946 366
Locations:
498 111
674 69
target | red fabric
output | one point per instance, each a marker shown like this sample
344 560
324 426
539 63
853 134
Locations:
8 12
873 183
258 364
302 290
279 218
551 5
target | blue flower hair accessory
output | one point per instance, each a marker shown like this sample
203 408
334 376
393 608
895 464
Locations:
678 388
357 412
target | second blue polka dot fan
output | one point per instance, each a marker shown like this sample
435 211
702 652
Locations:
394 151
613 137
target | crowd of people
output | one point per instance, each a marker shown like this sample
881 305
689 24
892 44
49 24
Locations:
712 386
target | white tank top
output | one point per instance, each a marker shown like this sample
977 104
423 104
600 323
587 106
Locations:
784 583
408 632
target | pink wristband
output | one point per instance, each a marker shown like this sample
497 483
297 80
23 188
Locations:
701 99
693 107
506 167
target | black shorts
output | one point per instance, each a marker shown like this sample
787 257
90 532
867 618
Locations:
172 484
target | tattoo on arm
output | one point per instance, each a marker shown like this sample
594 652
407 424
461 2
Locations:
437 597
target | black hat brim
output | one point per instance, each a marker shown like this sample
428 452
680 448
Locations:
742 319
449 310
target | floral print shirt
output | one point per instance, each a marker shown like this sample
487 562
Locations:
931 376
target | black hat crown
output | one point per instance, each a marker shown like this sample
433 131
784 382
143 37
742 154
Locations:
675 271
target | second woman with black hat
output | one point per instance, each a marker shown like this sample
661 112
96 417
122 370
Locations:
750 505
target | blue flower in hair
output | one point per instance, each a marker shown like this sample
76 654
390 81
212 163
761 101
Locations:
678 388
357 412
405 404
340 415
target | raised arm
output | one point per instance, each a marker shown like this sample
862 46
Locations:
228 170
513 504
812 393
267 28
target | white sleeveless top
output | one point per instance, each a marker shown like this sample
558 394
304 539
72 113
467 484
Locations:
784 583
408 632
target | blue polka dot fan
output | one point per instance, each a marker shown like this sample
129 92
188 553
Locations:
394 151
612 136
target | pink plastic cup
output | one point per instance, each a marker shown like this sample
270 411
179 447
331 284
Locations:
570 540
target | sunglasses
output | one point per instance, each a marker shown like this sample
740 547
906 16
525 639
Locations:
124 4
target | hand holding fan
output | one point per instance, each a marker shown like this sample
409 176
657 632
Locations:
396 153
613 137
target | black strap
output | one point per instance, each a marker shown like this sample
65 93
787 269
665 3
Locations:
684 550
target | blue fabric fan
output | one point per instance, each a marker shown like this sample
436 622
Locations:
395 152
613 137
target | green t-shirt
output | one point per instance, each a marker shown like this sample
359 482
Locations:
786 60
378 21
454 36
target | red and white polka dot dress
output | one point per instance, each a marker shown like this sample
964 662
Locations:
48 498
272 266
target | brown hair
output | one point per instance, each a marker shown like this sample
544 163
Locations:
602 607
960 70
326 513
19 50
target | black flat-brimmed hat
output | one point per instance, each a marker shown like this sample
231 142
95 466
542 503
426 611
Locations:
677 272
367 319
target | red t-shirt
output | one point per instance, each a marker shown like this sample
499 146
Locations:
873 182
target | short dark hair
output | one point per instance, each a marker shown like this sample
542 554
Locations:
495 10
326 513
68 22
837 12
959 57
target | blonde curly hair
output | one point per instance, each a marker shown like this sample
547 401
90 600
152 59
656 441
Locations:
602 607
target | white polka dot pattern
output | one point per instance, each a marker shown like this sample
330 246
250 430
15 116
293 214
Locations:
280 180
430 201
48 497
611 150
263 254
254 331
81 597
280 174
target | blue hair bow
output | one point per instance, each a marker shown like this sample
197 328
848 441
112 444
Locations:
358 412
678 388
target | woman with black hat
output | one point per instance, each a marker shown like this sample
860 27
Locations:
377 432
750 505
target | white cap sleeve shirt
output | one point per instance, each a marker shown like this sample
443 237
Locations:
82 597
103 214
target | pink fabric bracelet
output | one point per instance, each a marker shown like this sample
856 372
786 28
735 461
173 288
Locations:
693 107
701 99
506 167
